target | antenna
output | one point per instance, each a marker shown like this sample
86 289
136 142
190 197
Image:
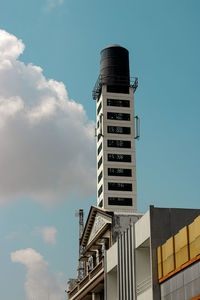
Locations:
81 270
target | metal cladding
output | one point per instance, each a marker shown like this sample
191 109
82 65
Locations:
114 66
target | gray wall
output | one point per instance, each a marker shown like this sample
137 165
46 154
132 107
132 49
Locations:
183 286
121 222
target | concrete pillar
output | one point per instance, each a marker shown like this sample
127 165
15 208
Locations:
95 296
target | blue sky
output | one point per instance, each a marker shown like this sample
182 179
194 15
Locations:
42 130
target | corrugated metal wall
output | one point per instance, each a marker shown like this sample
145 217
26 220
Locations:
126 263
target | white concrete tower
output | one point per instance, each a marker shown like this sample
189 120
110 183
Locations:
116 162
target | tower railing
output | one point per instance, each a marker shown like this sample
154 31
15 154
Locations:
113 80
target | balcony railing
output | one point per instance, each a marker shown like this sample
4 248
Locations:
87 279
143 285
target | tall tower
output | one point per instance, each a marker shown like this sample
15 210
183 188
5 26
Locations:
116 163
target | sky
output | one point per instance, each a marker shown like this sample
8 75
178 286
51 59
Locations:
49 63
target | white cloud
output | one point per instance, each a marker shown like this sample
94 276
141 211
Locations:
40 282
53 3
47 143
48 233
10 46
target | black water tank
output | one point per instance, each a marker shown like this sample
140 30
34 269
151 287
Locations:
114 68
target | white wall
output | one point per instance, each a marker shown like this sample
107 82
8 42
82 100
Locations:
143 267
142 229
112 284
143 273
112 257
146 295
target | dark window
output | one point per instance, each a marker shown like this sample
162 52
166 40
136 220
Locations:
116 186
98 124
100 176
101 203
117 102
118 88
119 157
99 136
118 116
99 149
100 190
119 172
119 143
99 108
99 162
120 201
118 129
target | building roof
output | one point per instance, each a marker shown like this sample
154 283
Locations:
90 221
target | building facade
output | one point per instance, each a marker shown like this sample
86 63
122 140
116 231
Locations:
116 163
178 262
134 268
127 255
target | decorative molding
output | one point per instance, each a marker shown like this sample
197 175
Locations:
98 224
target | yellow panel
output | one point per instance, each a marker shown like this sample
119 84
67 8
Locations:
195 248
182 256
194 237
197 226
164 256
168 265
160 273
170 246
181 239
194 229
165 268
159 255
197 221
192 232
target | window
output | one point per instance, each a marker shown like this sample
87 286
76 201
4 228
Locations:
98 124
100 176
117 102
118 116
99 149
118 130
100 190
119 172
120 201
124 89
101 203
119 143
116 186
119 157
99 136
99 162
99 108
